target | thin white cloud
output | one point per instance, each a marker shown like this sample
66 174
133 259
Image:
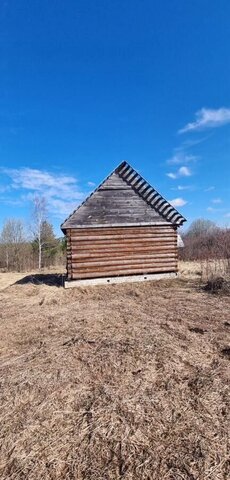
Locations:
172 175
11 202
186 144
213 210
181 172
4 188
227 215
178 202
185 187
91 184
61 207
61 192
216 200
181 158
209 189
184 172
208 118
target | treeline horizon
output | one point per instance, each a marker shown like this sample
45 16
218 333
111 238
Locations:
204 240
35 246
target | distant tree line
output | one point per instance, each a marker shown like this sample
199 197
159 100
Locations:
23 248
205 240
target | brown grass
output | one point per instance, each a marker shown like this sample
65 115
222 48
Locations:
9 278
116 382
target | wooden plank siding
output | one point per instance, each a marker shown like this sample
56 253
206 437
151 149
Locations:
112 251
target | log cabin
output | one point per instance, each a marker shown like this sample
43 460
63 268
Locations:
124 231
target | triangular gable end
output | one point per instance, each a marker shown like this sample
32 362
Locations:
123 198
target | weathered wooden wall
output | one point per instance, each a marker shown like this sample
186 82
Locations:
111 251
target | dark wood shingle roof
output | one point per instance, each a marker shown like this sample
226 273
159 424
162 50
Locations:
123 198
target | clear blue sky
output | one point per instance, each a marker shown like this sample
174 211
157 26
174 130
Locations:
86 84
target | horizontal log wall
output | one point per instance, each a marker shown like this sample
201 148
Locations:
111 251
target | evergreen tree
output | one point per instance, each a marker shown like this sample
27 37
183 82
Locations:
48 243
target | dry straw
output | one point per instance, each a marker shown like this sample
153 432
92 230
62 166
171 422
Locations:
119 382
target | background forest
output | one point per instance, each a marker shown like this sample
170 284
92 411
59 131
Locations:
35 246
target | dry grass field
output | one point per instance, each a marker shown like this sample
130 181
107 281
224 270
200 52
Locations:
114 382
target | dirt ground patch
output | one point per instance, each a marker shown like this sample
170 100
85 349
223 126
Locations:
121 381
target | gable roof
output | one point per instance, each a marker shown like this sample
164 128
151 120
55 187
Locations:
123 198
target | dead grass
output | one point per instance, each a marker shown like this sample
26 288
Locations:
121 381
9 278
213 269
190 269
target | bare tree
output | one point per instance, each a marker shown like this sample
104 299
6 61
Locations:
39 216
12 241
201 226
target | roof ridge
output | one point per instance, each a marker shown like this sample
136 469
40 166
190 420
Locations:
152 196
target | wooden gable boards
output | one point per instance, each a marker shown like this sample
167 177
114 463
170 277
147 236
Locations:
123 198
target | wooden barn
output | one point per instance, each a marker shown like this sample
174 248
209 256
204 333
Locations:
124 231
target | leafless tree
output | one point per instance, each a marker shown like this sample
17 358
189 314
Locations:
205 241
202 226
12 241
39 216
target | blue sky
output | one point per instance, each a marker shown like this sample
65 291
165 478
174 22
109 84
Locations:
86 84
